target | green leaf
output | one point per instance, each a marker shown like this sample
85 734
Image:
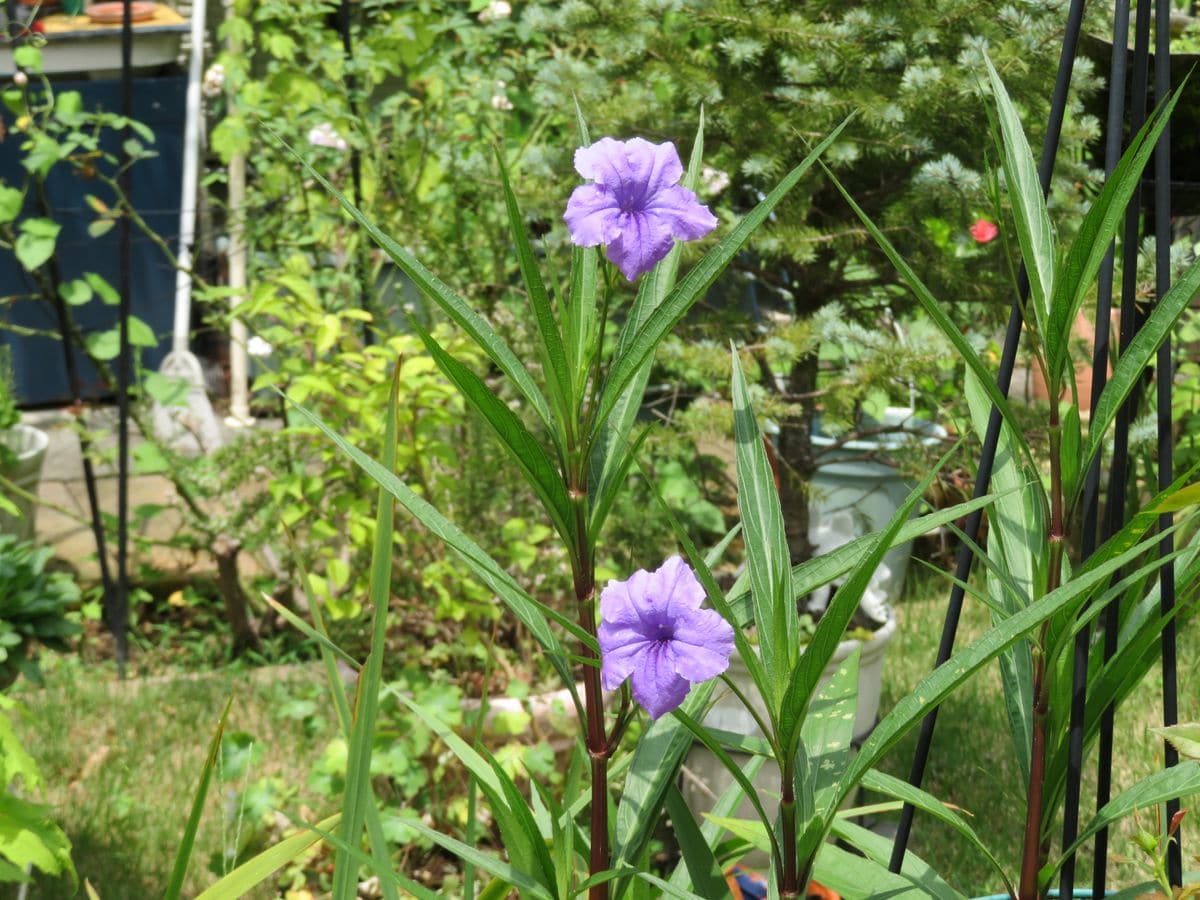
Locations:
76 292
437 291
705 871
940 683
141 334
867 877
1034 232
654 767
105 291
1132 363
1073 282
806 675
11 201
358 790
485 861
103 345
891 786
698 280
1178 781
938 316
522 447
29 837
554 356
1069 450
706 737
27 57
258 869
175 884
1184 737
35 244
766 546
532 614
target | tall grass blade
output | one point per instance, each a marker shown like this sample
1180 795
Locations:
358 792
184 855
255 871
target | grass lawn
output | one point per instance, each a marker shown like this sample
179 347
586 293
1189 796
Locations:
972 763
121 763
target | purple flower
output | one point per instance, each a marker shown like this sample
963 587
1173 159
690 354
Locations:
635 204
654 632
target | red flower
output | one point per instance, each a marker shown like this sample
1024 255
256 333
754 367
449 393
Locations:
984 231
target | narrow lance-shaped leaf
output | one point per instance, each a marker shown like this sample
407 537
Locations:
698 280
523 449
1034 232
766 545
359 792
1073 282
938 316
443 295
806 676
1133 361
179 870
532 614
554 355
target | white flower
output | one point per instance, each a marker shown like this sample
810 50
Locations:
214 81
501 101
324 135
20 79
713 181
497 9
258 347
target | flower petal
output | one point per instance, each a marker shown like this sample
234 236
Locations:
686 216
655 683
635 169
702 644
677 586
620 652
632 603
643 242
593 216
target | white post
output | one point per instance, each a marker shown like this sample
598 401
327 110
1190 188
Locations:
239 389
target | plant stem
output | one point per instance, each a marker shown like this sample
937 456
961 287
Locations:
596 741
1035 850
788 885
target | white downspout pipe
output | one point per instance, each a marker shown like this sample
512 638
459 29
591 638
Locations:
239 389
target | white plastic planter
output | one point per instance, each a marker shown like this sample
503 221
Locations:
856 491
706 778
30 445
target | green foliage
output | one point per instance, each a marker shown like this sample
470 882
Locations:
34 608
29 838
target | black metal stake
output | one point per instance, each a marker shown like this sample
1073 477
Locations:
74 382
1164 376
1058 106
1089 527
1118 476
120 618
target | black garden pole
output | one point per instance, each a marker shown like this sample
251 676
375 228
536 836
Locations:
74 382
1090 526
1012 336
118 617
1163 376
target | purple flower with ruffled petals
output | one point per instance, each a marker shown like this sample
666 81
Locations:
654 632
635 204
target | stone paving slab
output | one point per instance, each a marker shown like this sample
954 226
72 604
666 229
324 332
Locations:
63 519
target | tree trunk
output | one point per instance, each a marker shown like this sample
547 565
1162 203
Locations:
226 550
797 459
